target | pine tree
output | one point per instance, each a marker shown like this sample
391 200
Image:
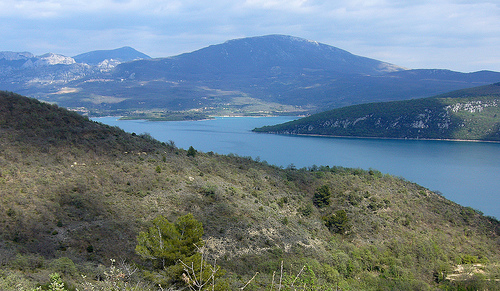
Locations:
191 152
165 243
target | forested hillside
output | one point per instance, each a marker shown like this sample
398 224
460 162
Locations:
90 207
468 114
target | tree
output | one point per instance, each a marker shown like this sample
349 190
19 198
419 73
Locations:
165 243
337 222
322 196
178 255
191 152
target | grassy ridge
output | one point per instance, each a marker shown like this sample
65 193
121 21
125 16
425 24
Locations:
470 114
75 194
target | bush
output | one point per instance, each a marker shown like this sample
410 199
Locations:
306 210
27 262
191 152
337 222
322 196
63 265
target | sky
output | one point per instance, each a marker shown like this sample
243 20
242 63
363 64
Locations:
460 35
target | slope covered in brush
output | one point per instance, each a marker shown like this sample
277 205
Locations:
469 114
78 196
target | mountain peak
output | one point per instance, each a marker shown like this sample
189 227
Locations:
53 59
284 53
123 54
274 37
14 56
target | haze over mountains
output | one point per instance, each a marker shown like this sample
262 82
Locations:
273 74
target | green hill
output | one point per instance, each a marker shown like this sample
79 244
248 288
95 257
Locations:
75 194
469 114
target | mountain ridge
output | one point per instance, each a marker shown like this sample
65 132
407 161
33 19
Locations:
264 75
123 54
467 114
282 51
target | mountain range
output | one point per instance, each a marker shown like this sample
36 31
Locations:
23 71
272 74
23 60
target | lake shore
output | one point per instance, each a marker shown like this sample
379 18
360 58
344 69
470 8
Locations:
378 137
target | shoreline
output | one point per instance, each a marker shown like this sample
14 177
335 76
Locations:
210 117
394 138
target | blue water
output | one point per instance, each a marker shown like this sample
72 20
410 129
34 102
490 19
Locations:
465 172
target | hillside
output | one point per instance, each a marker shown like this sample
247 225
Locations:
76 193
468 114
263 75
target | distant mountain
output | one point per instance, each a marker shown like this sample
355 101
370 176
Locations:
14 56
34 75
273 74
51 59
270 56
468 114
50 73
23 60
124 54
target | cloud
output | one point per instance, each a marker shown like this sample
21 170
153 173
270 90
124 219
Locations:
409 33
285 5
40 9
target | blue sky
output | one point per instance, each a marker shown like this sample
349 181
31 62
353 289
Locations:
461 35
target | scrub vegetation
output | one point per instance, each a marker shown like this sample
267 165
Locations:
85 206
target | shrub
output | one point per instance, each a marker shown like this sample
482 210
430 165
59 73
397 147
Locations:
209 190
191 152
306 210
27 262
322 196
337 222
63 265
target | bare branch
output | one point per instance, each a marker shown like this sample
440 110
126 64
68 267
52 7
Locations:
197 282
298 275
281 276
249 281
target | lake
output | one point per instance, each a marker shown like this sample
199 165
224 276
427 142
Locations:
465 172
